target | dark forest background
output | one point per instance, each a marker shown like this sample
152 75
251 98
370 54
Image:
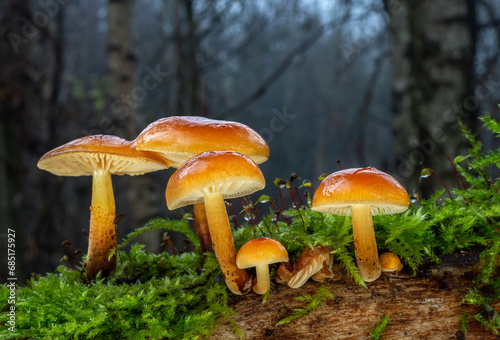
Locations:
380 83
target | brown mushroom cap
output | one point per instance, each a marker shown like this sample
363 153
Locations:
261 251
178 138
229 173
82 156
369 186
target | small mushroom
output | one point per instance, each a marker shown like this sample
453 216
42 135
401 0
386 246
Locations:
210 178
310 262
390 262
362 193
100 156
179 138
260 253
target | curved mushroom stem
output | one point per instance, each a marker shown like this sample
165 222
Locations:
236 279
263 280
200 218
365 245
102 234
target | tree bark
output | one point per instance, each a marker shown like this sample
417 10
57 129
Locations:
423 307
433 46
121 68
125 96
31 56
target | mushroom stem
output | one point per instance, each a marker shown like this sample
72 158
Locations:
236 279
200 218
365 245
263 281
102 235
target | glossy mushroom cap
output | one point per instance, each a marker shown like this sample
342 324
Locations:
362 192
368 186
82 156
390 262
261 251
229 173
178 138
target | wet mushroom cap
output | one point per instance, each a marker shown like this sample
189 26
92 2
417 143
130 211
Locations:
368 186
362 193
178 138
261 251
227 172
82 156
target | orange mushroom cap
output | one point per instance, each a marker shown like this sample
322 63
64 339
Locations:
390 262
368 186
261 251
230 173
178 138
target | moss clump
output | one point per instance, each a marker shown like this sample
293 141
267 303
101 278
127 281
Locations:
151 296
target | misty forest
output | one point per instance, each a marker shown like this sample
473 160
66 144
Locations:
411 88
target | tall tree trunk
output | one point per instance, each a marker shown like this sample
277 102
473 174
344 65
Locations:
31 56
14 105
433 46
121 67
140 203
189 85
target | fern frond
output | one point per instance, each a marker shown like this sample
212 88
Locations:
160 223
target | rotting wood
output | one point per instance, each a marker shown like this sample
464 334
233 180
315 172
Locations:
419 308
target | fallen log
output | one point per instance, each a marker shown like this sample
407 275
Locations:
419 307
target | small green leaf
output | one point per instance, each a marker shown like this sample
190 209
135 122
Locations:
376 333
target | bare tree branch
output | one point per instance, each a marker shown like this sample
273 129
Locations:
237 109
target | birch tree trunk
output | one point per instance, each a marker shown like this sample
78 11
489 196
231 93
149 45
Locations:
121 67
139 195
433 46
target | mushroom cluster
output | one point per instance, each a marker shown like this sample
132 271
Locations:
228 151
217 160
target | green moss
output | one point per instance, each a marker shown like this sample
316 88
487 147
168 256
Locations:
311 302
379 328
160 296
